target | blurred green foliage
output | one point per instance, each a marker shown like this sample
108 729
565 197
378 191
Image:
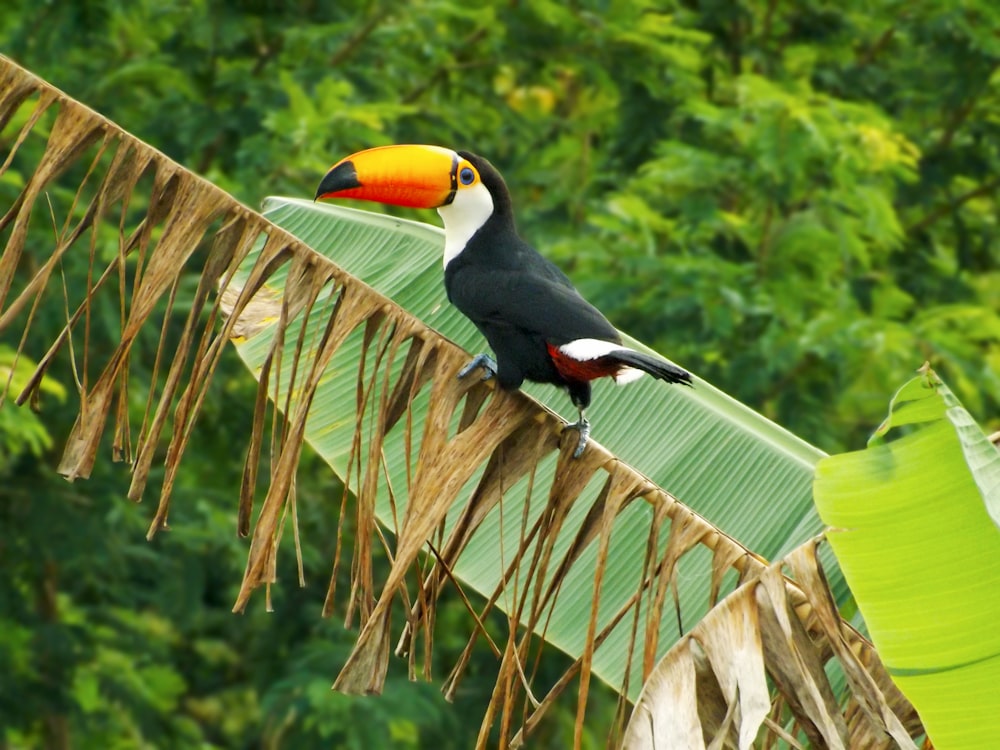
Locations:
796 201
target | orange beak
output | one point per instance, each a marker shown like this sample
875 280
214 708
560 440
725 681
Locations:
415 176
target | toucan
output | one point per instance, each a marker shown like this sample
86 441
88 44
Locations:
538 325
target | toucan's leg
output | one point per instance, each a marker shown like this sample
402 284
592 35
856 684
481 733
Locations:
583 427
480 360
579 394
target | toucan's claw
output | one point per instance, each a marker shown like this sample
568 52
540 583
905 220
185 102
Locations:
485 361
583 427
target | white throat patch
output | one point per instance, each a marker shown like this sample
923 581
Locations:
463 217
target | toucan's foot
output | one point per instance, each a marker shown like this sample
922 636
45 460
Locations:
583 427
485 361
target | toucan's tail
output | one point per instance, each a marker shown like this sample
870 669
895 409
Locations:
658 368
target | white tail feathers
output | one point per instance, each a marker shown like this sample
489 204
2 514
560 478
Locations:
628 375
634 363
585 349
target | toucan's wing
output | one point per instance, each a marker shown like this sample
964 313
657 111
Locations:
536 305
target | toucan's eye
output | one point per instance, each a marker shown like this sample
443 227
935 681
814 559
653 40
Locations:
466 176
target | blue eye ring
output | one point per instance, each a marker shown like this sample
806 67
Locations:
466 176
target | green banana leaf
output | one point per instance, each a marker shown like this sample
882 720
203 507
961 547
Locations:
914 522
742 472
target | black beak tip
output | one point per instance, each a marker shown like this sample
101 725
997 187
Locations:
344 176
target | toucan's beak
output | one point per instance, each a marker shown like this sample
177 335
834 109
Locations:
416 176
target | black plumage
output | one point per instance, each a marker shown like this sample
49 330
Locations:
525 305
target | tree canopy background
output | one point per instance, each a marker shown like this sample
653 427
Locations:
796 202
